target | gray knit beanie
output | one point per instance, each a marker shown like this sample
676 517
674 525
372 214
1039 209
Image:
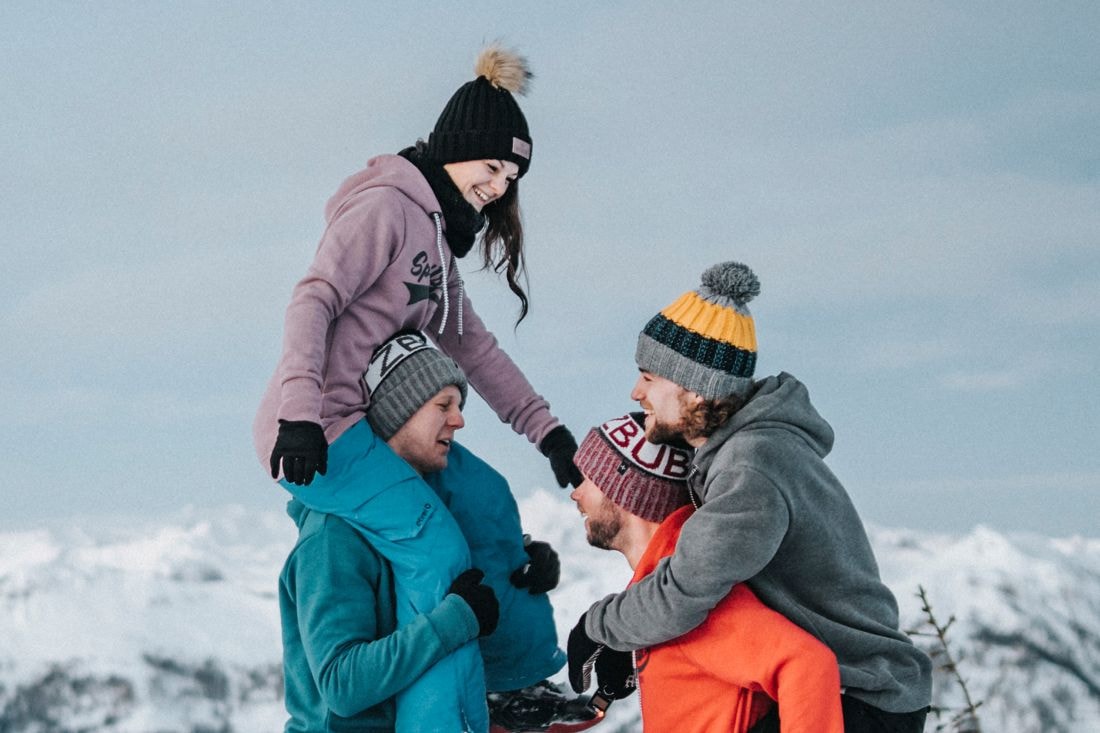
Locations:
405 372
706 340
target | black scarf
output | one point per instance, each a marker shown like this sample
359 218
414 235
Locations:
463 220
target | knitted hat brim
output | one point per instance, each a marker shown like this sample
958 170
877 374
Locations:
456 147
710 383
409 386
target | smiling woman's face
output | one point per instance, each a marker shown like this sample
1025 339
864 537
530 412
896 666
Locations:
482 181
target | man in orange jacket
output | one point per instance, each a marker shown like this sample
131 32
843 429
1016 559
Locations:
725 675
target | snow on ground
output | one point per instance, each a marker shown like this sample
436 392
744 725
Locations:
173 626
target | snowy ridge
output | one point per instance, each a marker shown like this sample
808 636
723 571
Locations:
1027 628
174 626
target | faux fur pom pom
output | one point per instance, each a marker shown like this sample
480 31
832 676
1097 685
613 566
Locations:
504 68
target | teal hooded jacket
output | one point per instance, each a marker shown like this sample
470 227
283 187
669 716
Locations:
344 659
430 529
405 522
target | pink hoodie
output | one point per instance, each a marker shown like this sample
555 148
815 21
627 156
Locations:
381 266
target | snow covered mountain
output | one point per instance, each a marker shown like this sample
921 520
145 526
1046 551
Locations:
174 626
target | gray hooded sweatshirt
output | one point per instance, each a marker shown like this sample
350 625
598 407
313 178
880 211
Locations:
772 514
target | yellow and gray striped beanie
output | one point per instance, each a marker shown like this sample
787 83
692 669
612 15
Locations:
706 341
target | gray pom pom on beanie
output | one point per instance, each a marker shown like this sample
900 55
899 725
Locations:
731 282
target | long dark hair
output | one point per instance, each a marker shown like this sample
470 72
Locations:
502 244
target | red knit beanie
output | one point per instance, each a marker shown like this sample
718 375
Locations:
644 478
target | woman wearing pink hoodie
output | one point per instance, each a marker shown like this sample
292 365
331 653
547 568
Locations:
386 263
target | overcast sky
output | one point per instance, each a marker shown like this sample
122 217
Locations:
917 186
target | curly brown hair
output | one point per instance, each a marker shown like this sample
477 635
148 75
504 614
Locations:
703 418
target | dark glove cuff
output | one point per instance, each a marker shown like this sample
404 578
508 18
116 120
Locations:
299 423
556 439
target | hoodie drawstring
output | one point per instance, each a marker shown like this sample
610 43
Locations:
446 267
461 297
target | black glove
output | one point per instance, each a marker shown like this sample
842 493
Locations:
614 670
615 677
543 571
582 652
560 447
479 597
303 450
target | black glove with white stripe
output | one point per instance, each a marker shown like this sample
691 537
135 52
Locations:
615 677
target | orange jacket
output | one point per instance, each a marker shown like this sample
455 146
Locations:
723 676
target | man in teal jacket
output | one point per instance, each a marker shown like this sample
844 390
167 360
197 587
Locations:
358 653
344 658
417 394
